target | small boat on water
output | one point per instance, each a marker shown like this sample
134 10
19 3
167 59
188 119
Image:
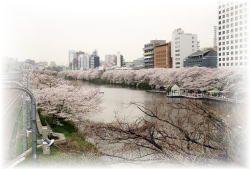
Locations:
172 96
156 91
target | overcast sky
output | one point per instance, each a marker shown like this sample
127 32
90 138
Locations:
45 30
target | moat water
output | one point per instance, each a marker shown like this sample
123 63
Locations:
115 102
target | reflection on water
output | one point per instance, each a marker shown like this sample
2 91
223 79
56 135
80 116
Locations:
116 102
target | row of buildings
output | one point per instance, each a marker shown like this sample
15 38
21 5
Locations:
79 60
183 50
175 53
229 49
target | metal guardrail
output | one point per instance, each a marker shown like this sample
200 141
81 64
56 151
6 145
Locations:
23 109
19 86
28 117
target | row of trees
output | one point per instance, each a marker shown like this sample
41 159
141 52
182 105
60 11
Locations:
197 78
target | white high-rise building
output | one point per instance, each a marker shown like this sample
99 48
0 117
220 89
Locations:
84 61
215 37
182 45
232 34
72 55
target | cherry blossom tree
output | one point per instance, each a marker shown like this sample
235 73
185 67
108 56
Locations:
67 101
57 97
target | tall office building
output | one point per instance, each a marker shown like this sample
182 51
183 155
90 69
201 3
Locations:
72 55
182 45
79 56
120 60
148 52
215 37
232 34
84 61
94 61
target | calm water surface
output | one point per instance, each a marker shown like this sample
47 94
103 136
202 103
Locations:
116 102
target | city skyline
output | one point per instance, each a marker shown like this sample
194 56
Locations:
46 31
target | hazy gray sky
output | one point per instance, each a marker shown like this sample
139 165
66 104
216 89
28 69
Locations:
45 30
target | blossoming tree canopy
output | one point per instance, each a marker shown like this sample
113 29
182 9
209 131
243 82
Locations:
222 79
56 96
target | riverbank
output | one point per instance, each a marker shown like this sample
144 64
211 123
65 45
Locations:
219 99
75 148
99 81
75 142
